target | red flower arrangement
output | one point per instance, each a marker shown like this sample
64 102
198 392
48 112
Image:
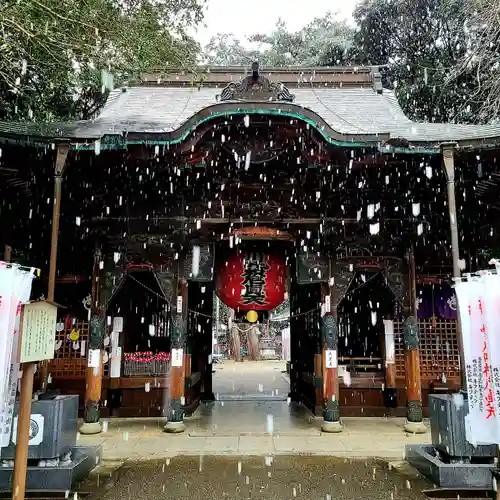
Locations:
146 357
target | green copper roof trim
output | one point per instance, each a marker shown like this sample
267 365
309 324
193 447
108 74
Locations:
122 142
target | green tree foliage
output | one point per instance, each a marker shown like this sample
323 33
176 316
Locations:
323 41
441 57
56 56
225 49
482 56
420 42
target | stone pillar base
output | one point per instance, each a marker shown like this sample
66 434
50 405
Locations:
89 428
415 427
207 396
332 427
174 427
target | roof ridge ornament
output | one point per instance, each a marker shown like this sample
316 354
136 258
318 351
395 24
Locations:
255 87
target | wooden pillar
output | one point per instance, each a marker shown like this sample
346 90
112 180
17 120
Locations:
93 382
448 150
341 276
7 253
175 412
414 413
295 335
59 168
208 392
329 361
206 350
318 376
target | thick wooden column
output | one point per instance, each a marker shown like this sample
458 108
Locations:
414 413
330 337
342 275
93 383
7 253
175 412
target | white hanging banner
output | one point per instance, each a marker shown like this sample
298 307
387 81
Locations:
331 358
7 279
390 346
479 307
15 289
177 357
328 304
94 360
116 362
491 310
118 324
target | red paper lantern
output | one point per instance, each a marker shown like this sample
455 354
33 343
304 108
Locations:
252 281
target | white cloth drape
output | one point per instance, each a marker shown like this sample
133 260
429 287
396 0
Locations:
15 289
479 307
285 343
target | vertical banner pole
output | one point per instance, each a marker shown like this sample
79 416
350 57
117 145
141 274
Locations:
23 433
448 150
62 154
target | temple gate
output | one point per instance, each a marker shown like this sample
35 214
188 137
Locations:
257 165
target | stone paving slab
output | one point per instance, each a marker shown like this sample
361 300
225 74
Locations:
141 441
253 428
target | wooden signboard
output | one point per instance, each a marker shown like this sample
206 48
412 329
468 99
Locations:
38 331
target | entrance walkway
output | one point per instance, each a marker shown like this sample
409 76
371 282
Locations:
252 416
242 431
250 380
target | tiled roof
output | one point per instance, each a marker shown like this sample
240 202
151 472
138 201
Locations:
346 111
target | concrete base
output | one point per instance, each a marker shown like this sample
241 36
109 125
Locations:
56 478
89 428
415 427
174 427
332 427
207 396
457 476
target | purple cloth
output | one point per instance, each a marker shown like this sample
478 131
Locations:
446 302
424 301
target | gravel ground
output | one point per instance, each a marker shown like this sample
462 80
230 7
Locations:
278 477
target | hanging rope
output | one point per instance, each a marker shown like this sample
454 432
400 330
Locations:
241 330
364 283
147 288
196 313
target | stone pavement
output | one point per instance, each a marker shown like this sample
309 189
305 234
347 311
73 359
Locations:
144 439
250 380
253 417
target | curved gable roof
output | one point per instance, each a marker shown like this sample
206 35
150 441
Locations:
342 114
